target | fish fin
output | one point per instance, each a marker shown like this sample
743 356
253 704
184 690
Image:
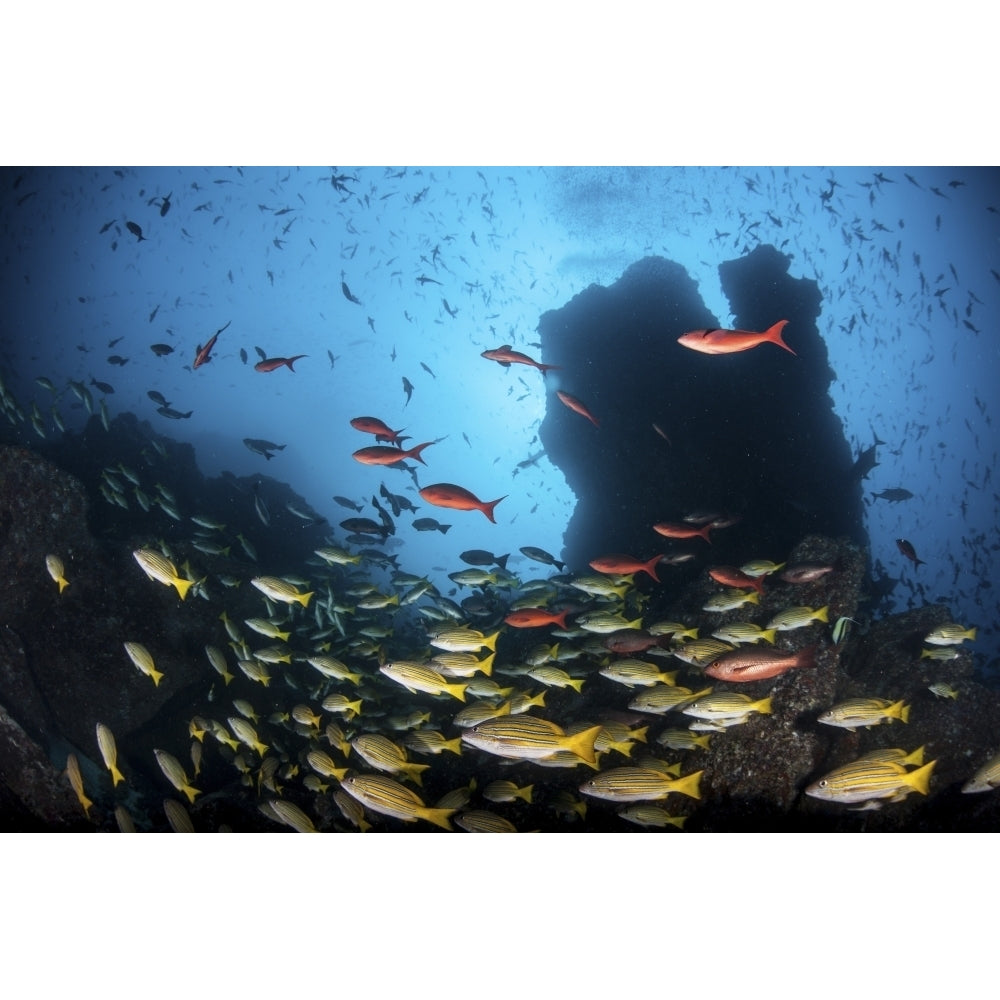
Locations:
487 508
690 785
774 335
439 817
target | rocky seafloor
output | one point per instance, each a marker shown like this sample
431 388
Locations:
63 670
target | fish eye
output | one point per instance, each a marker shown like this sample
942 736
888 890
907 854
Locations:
822 784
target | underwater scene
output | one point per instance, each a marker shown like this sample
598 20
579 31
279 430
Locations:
499 499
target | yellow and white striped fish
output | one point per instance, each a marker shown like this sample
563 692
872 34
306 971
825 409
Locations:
387 796
530 738
158 567
640 784
384 755
109 751
416 677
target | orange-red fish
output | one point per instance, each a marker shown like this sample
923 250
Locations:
382 431
507 356
458 498
625 565
732 576
671 529
533 617
382 454
731 341
909 551
747 664
269 364
576 406
204 354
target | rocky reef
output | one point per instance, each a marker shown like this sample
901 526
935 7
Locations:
63 670
752 434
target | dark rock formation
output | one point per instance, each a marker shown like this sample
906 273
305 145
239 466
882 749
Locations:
752 434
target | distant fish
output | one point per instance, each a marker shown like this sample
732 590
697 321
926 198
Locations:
480 557
407 388
426 369
908 550
381 454
261 447
135 231
381 430
349 504
161 350
893 495
429 524
270 364
540 555
157 397
576 406
117 359
204 354
348 295
507 356
103 386
731 341
56 570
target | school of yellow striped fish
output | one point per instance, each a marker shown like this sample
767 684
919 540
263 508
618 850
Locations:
313 718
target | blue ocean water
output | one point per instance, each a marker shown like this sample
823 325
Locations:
386 277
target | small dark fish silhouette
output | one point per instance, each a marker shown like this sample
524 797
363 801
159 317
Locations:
103 386
407 388
161 350
348 295
893 495
426 369
165 205
117 359
908 550
135 231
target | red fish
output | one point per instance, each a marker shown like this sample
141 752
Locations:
670 529
576 406
380 454
730 576
806 572
625 565
269 364
457 498
382 431
909 551
741 666
631 640
731 341
507 356
204 354
532 617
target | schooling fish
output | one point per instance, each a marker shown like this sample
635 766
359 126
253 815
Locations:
731 341
135 231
